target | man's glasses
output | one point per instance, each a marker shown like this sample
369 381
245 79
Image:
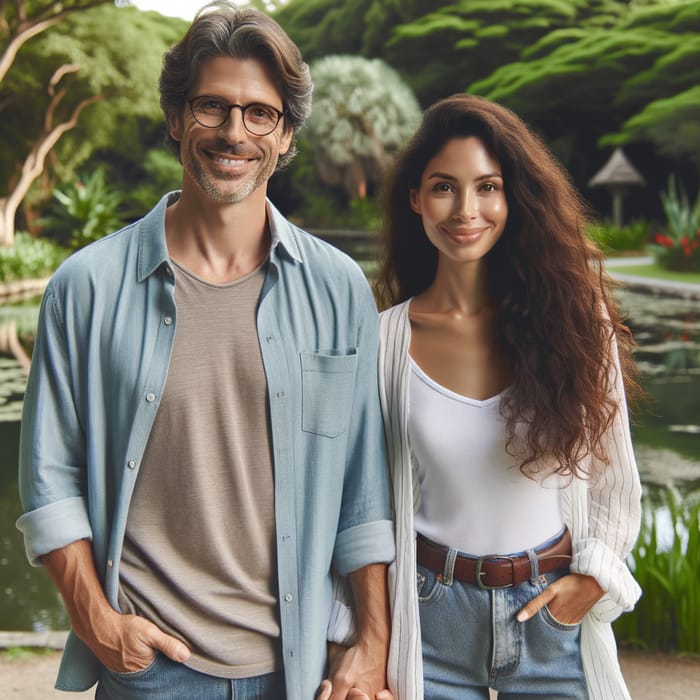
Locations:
212 112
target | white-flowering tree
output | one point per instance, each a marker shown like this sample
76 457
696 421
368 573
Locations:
363 113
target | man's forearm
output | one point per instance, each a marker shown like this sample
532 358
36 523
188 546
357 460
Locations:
72 569
371 595
120 642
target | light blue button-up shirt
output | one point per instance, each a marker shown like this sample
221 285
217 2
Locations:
107 324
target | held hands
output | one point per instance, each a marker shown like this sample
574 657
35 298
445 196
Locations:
127 643
353 693
354 673
568 599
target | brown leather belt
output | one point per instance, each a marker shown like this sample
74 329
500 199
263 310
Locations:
494 570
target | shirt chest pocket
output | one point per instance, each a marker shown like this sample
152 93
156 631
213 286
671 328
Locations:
327 392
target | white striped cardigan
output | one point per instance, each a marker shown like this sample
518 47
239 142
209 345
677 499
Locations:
603 517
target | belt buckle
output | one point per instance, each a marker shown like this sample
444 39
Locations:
479 573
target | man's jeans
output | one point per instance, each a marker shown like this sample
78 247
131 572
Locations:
167 680
472 641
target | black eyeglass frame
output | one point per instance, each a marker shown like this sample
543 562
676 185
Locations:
243 109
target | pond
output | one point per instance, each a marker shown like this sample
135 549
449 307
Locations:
666 437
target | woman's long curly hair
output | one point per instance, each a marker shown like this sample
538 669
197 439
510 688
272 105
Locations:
559 324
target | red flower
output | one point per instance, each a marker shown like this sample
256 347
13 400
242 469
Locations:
685 240
687 250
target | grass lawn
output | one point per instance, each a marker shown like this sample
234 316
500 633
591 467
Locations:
654 270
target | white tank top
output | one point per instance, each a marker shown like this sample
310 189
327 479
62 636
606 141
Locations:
473 495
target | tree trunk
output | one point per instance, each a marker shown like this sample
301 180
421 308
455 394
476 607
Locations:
34 164
9 343
7 222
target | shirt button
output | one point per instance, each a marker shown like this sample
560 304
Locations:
131 464
150 397
289 597
167 321
109 562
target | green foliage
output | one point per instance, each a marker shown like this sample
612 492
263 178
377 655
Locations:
84 211
450 48
161 172
359 214
320 27
677 246
25 653
670 124
30 258
667 618
364 214
119 51
313 204
619 239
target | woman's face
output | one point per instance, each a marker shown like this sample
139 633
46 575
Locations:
461 200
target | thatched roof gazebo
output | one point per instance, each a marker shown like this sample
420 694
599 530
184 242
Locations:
617 175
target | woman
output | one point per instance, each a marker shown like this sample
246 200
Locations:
503 365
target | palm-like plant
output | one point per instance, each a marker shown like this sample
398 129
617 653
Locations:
678 245
83 211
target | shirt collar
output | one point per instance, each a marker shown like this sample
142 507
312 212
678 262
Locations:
153 251
281 232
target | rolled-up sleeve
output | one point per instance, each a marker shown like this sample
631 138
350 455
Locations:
52 446
365 533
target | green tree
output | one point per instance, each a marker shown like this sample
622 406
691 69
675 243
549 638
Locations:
665 98
106 57
446 50
20 21
439 46
363 113
122 51
579 86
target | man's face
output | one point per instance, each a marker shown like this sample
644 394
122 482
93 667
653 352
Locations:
229 163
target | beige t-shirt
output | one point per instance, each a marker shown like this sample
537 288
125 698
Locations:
198 556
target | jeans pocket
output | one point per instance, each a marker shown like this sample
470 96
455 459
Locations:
327 381
134 675
557 624
429 586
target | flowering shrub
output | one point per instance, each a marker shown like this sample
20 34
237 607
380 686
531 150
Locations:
677 247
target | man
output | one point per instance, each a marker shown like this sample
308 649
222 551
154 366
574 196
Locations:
201 442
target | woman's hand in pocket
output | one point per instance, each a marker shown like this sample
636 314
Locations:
568 599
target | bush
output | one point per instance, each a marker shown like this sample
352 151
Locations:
30 258
667 617
677 245
83 212
619 239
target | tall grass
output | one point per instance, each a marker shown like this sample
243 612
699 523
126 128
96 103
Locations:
666 562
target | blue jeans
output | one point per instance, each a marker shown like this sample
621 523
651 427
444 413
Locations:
168 680
472 642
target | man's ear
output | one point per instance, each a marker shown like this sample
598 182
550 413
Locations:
175 125
414 201
286 140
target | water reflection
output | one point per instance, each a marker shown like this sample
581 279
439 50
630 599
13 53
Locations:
30 601
666 440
